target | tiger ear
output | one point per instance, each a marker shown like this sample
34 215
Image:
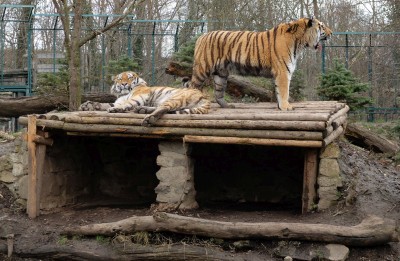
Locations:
310 21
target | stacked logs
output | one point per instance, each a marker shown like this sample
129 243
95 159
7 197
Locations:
311 124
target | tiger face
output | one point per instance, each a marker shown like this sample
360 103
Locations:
315 32
125 82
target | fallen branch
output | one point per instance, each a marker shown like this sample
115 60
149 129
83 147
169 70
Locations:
371 231
370 140
15 107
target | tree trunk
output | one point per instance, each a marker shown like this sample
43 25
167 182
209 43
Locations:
15 107
371 231
237 86
370 140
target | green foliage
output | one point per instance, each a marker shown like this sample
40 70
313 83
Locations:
62 241
102 239
339 84
50 82
185 53
297 86
124 63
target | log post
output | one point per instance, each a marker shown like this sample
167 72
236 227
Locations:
309 179
36 157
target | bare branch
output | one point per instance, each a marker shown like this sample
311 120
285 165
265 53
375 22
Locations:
115 23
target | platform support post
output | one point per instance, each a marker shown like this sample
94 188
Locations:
310 179
36 156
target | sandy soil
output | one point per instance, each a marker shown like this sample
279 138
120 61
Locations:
372 186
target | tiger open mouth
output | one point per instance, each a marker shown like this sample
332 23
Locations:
318 46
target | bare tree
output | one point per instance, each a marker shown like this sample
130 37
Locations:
73 41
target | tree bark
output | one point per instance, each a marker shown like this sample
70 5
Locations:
371 231
15 107
370 140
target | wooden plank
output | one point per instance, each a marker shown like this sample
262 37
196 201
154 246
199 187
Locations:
40 158
33 198
310 179
252 141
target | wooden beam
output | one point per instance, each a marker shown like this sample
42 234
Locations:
36 157
33 199
310 179
252 141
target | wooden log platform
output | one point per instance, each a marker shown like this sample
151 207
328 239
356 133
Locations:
311 124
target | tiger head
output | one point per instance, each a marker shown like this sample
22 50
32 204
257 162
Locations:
125 82
310 32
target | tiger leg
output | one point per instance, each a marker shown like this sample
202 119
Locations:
219 91
151 119
282 82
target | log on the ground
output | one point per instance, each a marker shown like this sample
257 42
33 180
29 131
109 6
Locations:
237 86
15 107
85 250
370 140
371 231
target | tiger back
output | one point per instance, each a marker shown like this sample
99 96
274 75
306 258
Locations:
271 53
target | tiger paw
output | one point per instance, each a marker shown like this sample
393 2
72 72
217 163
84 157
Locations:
285 106
140 110
115 110
90 106
149 121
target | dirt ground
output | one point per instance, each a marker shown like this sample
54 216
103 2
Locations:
372 186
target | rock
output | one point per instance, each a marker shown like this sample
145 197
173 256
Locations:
312 251
324 181
171 160
243 245
332 151
172 146
329 168
337 252
288 258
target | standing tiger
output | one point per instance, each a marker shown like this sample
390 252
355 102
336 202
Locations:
155 101
272 53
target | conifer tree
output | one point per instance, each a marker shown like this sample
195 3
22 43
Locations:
339 84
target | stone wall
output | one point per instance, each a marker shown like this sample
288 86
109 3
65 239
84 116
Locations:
176 187
14 170
329 179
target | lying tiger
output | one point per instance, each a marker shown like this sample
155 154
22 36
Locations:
134 95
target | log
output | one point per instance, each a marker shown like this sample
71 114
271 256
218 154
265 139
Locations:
214 124
371 231
370 140
15 107
253 141
310 174
124 252
336 133
240 115
170 132
237 86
